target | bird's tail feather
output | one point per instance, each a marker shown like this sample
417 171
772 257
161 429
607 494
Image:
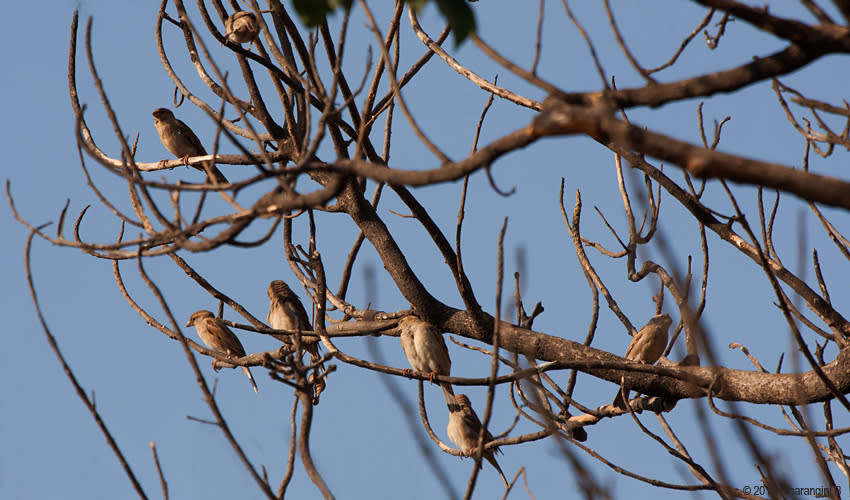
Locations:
448 393
214 173
251 378
490 458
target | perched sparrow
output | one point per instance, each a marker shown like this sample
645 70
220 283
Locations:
287 313
285 310
426 351
241 27
180 141
218 337
646 347
463 430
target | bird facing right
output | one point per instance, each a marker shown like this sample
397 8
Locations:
646 347
463 429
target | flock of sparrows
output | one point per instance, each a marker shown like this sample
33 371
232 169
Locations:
426 351
286 312
422 342
176 136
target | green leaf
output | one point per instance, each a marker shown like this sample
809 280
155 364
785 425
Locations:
417 5
458 14
315 12
460 17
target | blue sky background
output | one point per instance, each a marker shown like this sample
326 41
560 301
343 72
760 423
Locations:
362 443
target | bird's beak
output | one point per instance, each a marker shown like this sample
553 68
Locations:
189 323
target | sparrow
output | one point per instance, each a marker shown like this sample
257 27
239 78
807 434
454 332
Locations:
180 141
463 430
218 337
287 313
646 347
426 351
241 27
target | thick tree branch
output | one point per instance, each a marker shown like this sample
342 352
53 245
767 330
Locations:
559 118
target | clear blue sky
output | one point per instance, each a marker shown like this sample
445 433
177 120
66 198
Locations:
362 444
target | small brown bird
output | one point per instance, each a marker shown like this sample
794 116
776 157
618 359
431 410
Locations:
180 141
287 313
426 351
241 27
463 430
285 309
646 347
218 337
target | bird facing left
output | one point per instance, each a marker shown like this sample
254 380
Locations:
180 141
218 337
241 27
